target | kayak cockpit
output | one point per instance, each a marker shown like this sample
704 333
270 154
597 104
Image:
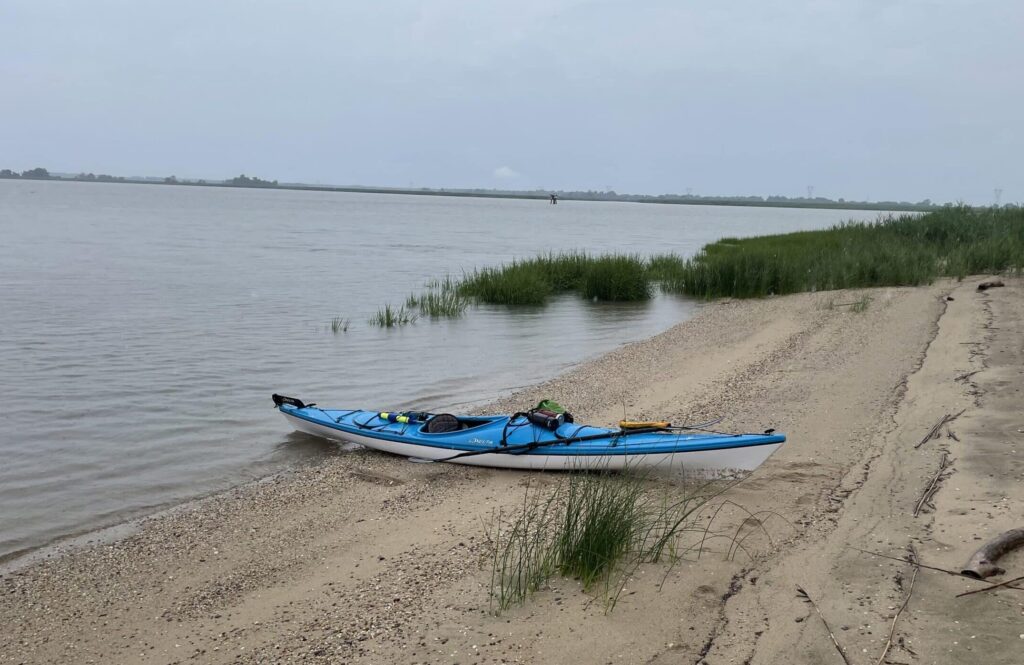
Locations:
445 423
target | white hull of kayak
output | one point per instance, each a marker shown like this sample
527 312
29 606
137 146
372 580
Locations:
718 461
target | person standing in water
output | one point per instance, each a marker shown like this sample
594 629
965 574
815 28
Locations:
554 199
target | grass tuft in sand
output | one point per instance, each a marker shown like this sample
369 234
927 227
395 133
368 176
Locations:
595 528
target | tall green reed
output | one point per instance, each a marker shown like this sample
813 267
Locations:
596 528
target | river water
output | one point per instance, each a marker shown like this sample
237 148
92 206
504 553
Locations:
143 328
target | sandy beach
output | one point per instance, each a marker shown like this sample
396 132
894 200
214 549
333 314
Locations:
367 558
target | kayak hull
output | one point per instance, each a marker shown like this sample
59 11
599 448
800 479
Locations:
702 453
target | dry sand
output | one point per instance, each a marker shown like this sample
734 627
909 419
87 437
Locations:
368 558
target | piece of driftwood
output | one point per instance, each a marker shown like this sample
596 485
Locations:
933 486
912 559
933 433
807 599
982 563
984 286
1008 584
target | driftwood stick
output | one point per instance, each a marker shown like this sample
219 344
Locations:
933 433
912 559
918 564
1001 585
967 375
982 563
807 597
933 486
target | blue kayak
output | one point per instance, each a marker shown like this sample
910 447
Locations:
515 442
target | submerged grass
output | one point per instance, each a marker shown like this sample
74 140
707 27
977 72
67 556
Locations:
901 250
391 317
441 300
596 528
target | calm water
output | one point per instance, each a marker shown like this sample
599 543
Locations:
143 328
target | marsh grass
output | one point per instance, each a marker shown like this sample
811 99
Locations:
339 325
598 528
391 317
901 250
517 283
613 277
618 278
665 268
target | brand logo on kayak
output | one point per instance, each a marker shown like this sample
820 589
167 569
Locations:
483 441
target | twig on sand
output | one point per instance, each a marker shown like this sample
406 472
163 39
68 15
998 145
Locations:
966 375
933 486
933 433
1001 585
912 559
807 598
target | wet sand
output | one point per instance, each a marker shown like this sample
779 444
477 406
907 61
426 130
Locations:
367 558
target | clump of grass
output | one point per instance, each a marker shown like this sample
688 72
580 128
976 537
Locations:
901 250
523 559
618 278
339 325
597 528
391 317
602 521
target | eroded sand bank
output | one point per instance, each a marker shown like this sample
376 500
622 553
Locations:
371 559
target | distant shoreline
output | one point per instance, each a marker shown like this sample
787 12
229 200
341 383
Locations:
753 202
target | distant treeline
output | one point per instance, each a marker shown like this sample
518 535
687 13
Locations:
43 174
776 200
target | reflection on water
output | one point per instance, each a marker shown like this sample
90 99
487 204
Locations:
143 329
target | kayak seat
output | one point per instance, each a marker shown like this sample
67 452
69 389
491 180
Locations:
442 423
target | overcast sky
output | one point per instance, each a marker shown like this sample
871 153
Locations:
897 99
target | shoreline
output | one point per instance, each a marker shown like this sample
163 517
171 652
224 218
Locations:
364 557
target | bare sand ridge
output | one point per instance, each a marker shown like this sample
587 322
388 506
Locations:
371 559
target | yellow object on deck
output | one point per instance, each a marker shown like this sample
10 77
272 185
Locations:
642 424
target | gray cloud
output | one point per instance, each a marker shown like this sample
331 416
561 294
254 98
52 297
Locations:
861 99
